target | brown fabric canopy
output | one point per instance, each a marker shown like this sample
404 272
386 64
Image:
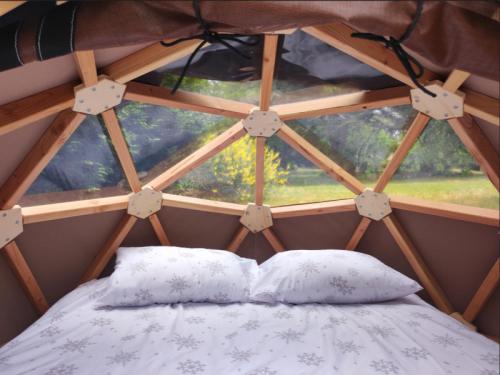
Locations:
452 34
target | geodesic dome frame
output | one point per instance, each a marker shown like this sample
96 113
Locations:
62 100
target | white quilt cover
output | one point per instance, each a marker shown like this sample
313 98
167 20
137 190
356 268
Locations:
405 336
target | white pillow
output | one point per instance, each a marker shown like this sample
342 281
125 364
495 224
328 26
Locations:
328 276
164 274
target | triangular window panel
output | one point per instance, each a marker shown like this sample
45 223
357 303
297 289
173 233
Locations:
292 179
159 137
360 142
217 71
228 176
307 68
85 167
439 168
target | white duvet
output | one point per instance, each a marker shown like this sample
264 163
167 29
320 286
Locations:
405 336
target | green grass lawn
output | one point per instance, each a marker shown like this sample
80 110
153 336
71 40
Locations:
310 185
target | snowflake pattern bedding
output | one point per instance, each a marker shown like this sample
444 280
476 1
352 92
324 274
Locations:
405 336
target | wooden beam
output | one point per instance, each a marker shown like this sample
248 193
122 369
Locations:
429 282
312 154
26 277
19 113
140 92
456 78
384 60
7 6
485 216
204 205
273 240
260 149
354 102
488 286
109 248
482 106
38 157
311 209
198 157
121 148
414 131
358 233
57 211
148 59
479 146
85 64
371 53
159 230
268 64
238 239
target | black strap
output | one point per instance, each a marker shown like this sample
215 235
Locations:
208 36
395 44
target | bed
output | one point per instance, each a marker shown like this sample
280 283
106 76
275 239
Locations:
403 336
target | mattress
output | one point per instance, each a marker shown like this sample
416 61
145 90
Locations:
404 336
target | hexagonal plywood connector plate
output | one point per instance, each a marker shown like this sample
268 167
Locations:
11 225
257 218
445 105
98 98
145 203
373 205
262 123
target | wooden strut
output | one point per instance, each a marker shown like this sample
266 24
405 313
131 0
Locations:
260 150
88 73
38 157
266 87
273 240
312 154
484 292
479 146
190 101
424 274
198 157
108 250
345 103
238 239
26 277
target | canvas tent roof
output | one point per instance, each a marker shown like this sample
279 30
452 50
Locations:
23 121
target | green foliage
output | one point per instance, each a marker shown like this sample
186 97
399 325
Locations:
230 175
